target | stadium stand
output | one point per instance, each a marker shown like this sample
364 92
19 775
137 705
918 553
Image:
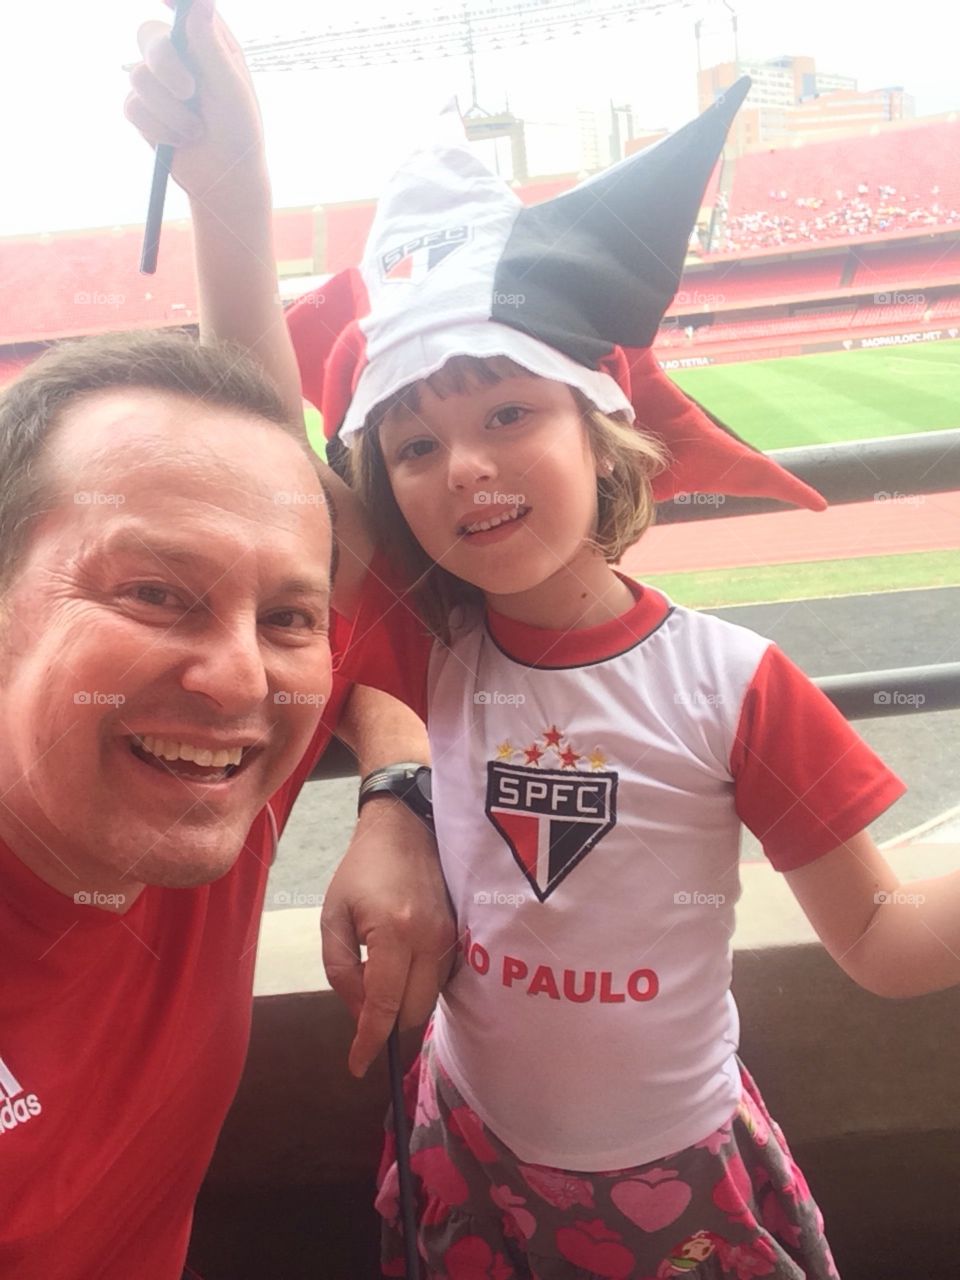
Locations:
892 181
936 262
945 307
748 283
78 282
788 283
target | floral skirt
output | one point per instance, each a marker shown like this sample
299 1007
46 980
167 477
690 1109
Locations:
732 1207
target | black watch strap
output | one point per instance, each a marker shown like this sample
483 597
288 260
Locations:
409 782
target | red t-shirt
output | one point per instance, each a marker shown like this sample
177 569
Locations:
122 1040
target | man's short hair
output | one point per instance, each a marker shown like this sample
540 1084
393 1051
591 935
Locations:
219 374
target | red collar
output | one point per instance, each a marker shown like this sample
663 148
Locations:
584 646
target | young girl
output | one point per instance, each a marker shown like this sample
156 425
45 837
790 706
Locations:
580 1109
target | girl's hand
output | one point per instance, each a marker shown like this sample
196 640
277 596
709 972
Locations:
203 104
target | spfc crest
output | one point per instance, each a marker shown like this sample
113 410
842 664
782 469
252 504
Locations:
550 819
416 258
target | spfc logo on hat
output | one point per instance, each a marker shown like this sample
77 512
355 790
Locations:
549 819
416 258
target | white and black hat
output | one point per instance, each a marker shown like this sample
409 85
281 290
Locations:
573 289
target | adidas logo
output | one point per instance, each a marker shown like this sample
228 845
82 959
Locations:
16 1107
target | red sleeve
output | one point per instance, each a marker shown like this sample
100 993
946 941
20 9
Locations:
804 780
385 644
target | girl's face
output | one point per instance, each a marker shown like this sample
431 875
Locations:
498 484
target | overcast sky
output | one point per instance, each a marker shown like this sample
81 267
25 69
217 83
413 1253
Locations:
70 159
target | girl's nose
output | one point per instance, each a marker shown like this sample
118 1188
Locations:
468 467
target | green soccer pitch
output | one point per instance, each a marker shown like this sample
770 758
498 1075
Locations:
843 395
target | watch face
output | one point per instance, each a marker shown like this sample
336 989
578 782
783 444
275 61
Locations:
423 780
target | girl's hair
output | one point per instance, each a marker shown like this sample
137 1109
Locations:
627 460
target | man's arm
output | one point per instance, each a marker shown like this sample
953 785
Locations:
206 108
388 892
893 939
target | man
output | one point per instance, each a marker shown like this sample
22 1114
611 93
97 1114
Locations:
164 586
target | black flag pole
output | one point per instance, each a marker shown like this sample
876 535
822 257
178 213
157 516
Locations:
408 1211
162 161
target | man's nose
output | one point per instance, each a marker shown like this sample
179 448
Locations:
227 666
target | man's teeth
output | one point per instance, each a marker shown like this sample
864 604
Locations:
168 749
483 525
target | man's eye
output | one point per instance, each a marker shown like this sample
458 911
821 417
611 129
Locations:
509 415
416 449
151 593
288 619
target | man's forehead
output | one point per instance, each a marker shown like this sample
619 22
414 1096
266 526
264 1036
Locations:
218 554
145 407
122 428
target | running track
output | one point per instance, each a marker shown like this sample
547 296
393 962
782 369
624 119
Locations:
924 522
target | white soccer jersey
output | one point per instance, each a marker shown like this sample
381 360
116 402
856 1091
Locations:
589 789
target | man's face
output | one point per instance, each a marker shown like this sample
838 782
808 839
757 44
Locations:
172 603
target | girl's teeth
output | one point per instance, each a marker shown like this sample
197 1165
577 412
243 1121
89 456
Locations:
168 749
484 525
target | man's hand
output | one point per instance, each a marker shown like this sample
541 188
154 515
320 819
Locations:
202 104
388 893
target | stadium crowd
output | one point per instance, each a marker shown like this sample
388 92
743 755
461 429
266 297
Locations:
803 219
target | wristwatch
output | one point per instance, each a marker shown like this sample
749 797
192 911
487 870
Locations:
409 782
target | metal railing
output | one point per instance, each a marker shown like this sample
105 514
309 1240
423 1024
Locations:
856 471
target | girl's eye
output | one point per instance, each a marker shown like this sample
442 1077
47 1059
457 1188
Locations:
416 449
508 416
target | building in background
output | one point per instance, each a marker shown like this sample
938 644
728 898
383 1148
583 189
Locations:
792 101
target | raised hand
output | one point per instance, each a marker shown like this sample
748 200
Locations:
203 104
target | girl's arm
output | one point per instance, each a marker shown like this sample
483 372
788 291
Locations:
893 939
206 108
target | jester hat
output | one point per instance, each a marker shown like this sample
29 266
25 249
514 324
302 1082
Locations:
573 289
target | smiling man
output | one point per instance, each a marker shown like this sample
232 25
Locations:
168 612
165 550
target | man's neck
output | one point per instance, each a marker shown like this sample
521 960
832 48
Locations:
100 889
